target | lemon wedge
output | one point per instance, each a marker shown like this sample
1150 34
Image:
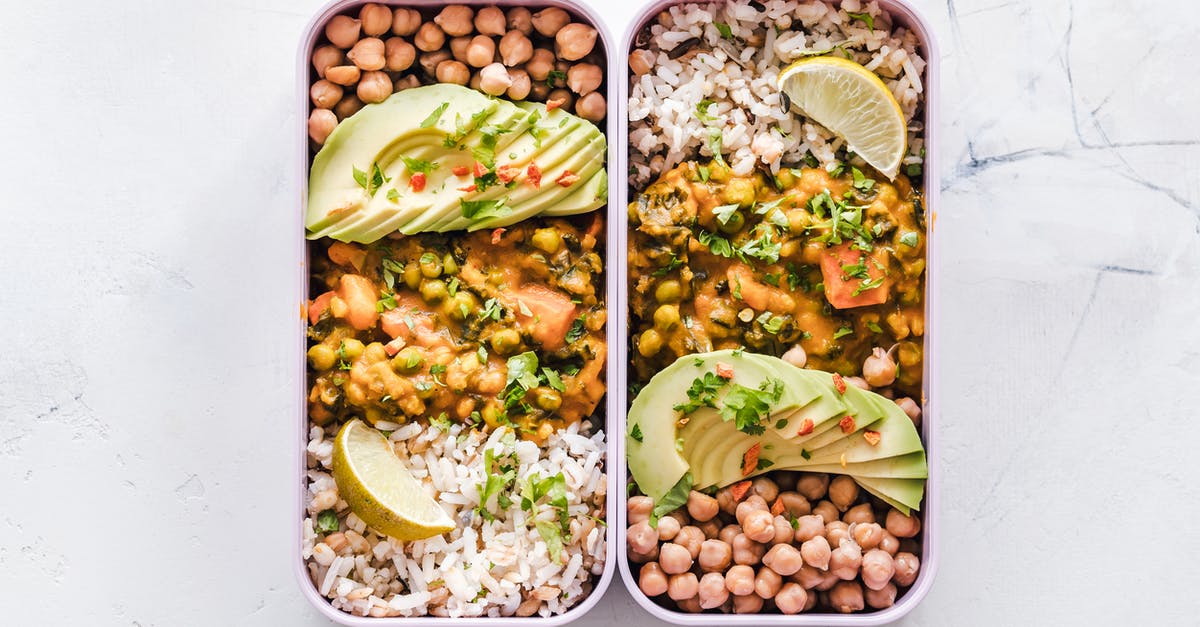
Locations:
379 488
852 102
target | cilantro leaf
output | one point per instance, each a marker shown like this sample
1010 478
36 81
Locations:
725 212
910 239
435 116
483 209
724 29
577 330
747 407
419 165
703 392
863 17
675 498
636 433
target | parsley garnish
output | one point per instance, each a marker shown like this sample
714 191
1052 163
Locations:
636 433
435 116
419 165
771 279
386 302
910 239
874 327
863 17
725 212
371 183
747 407
702 393
770 323
441 422
491 309
704 173
555 77
674 263
763 464
724 29
843 332
483 209
577 330
702 113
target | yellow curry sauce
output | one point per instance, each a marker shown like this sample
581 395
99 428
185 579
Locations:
721 261
426 327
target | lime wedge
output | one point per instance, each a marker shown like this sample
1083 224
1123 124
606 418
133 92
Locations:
851 101
379 488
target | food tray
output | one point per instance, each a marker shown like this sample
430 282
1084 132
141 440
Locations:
909 17
300 256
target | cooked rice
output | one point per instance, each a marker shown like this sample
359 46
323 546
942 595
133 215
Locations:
482 568
740 79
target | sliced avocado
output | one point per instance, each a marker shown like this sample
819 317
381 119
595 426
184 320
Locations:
907 466
821 412
903 494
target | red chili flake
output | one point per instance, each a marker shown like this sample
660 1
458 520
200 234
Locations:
460 170
739 490
497 234
470 188
806 427
725 371
567 178
872 437
393 347
839 383
480 169
417 181
507 173
777 507
534 175
750 459
554 104
847 424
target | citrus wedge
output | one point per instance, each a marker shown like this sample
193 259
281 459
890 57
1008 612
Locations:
379 488
852 102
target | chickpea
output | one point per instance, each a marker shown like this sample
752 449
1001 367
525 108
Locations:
712 590
765 488
867 535
759 525
547 240
691 606
752 503
836 531
408 82
637 558
550 21
352 349
475 80
796 356
889 543
321 356
408 360
652 580
682 585
368 54
846 597
489 21
747 604
674 558
584 78
729 532
376 19
902 526
515 48
783 531
325 94
429 37
746 551
649 343
494 79
882 598
816 552
574 41
668 527
739 580
412 276
521 85
456 20
430 60
711 528
911 408
767 583
861 513
826 510
879 370
715 555
877 569
458 47
374 87
725 499
398 55
808 576
479 51
791 598
783 559
681 516
430 265
691 538
519 18
561 95
857 382
452 72
343 74
326 57
843 491
845 561
592 107
342 31
795 504
906 566
506 341
347 106
642 537
641 62
813 485
547 399
539 64
405 22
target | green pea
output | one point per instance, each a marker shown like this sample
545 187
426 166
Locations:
547 399
449 265
322 357
547 240
739 191
718 173
668 291
650 343
412 276
351 348
734 224
785 178
431 266
460 306
506 341
408 360
666 317
433 291
491 415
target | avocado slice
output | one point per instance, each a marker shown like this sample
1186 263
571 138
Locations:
903 494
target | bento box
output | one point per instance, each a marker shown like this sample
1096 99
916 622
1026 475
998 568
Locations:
656 144
512 448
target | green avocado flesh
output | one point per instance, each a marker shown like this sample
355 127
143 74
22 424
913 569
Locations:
361 183
670 443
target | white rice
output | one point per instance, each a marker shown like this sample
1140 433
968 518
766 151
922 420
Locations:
740 78
482 568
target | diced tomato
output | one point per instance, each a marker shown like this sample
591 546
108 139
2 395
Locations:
497 234
806 427
840 289
480 169
534 175
318 307
394 346
552 314
469 188
554 104
750 459
725 371
417 182
872 437
839 383
460 170
847 424
739 490
507 173
567 178
777 507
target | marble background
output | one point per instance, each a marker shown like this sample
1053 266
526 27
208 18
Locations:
147 180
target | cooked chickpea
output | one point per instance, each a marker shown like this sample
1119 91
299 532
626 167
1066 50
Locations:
668 528
783 559
701 507
638 508
584 78
843 491
539 91
812 485
489 21
405 22
494 79
751 503
479 51
911 408
325 94
715 555
836 531
826 510
652 580
521 85
682 585
791 598
367 54
746 551
398 55
374 87
796 356
729 532
674 558
691 606
326 57
649 343
815 552
765 488
343 74
642 537
902 526
456 20
906 566
879 370
759 525
783 531
666 317
636 558
376 19
739 580
861 513
429 37
540 64
681 516
711 528
321 356
458 47
747 604
877 569
691 538
453 72
641 62
809 576
726 501
795 504
845 560
767 583
321 123
882 598
857 382
574 41
846 597
430 60
506 341
342 31
519 18
515 48
712 590
550 21
889 543
563 96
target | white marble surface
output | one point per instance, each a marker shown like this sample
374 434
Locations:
145 298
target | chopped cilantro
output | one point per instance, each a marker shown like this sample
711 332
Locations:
702 393
553 380
704 173
419 165
747 407
763 464
863 17
843 332
724 29
555 77
675 498
483 209
910 239
636 433
874 327
725 212
327 521
481 354
442 421
435 116
702 111
577 330
771 279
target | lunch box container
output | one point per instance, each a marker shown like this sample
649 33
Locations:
615 246
905 15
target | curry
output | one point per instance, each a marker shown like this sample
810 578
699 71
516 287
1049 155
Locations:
832 261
